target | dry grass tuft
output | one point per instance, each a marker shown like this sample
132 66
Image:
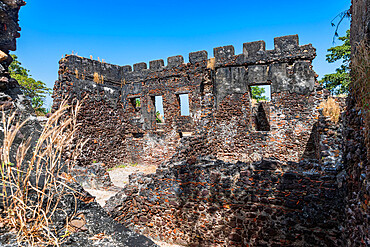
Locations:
31 190
76 73
331 109
211 63
98 79
360 86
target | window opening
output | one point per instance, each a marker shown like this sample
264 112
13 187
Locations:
136 103
184 104
159 113
260 96
261 93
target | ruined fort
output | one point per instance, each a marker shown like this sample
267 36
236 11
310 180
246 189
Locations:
222 120
232 172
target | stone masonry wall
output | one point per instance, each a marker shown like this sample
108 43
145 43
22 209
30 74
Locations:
232 173
220 106
356 134
208 202
11 97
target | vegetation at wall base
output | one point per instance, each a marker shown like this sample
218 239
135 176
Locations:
331 109
31 190
158 117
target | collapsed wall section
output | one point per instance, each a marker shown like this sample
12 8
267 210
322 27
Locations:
208 202
120 110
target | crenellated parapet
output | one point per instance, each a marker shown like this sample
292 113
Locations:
284 67
218 92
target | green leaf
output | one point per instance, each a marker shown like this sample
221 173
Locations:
257 93
36 91
338 82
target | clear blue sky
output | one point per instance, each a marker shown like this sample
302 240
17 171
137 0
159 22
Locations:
127 32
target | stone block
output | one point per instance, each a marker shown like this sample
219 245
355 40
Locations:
252 48
140 66
286 43
156 64
224 52
198 56
257 74
175 61
126 68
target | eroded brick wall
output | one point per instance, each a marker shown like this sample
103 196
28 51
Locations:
356 135
212 203
212 188
220 106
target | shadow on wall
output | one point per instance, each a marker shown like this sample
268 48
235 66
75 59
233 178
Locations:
263 204
312 150
261 118
207 202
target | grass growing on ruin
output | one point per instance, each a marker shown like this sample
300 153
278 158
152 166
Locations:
117 167
123 166
211 63
31 190
360 86
331 109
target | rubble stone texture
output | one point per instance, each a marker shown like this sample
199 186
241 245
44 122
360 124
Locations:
99 228
356 150
11 97
220 105
233 173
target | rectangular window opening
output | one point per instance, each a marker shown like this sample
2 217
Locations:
136 103
184 104
260 93
260 96
159 113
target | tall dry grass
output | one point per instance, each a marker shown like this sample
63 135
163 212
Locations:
360 86
211 63
31 190
331 109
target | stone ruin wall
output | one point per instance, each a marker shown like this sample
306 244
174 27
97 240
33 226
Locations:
357 138
199 196
222 121
11 96
208 202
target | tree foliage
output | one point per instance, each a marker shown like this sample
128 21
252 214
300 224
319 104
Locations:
338 82
35 91
257 93
158 117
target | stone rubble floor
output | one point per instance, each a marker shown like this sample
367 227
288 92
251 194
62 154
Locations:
120 177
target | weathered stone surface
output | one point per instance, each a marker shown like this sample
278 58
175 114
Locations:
213 203
357 136
11 97
91 220
220 105
94 176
